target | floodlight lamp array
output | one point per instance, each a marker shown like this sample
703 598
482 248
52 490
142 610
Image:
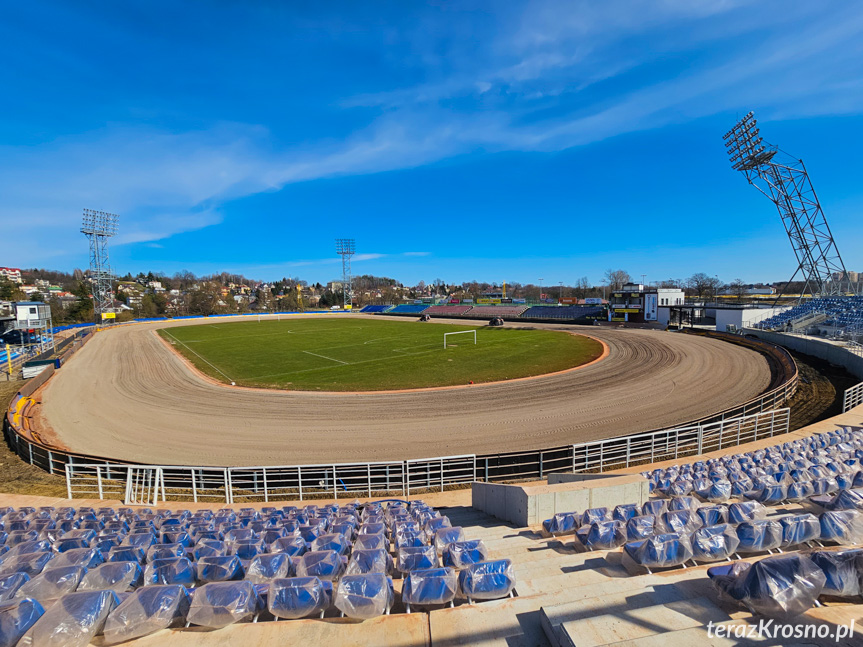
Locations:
99 223
345 246
746 148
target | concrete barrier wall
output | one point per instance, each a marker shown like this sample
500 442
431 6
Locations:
529 505
810 346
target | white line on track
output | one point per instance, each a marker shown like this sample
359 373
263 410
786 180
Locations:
325 357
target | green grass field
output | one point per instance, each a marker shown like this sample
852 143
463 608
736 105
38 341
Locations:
337 354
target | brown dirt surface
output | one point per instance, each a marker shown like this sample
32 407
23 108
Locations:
819 394
126 396
16 476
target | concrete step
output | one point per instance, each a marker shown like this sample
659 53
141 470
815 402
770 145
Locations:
625 614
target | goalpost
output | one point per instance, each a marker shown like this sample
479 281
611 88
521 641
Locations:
460 332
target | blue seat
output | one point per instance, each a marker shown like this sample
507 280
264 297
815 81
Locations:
173 570
844 500
799 529
299 597
654 507
844 527
461 554
165 551
602 535
9 585
219 604
718 491
800 490
430 587
640 527
681 521
660 551
683 503
364 596
780 586
842 571
745 511
713 515
714 543
30 563
759 535
325 564
594 514
369 561
336 542
487 580
626 511
16 617
219 568
292 545
421 557
146 611
563 523
769 494
126 554
266 567
115 576
75 618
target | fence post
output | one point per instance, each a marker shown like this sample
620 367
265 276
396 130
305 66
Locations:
601 464
628 450
486 468
99 480
406 481
194 486
229 495
441 474
369 473
700 439
68 483
300 480
540 465
335 485
266 494
50 462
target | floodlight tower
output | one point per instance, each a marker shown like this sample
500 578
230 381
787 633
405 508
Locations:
786 183
98 227
345 247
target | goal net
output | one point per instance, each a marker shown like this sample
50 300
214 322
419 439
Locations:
447 335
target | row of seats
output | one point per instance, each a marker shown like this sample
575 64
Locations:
801 469
67 574
786 586
840 311
489 311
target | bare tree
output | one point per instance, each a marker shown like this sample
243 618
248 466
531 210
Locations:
616 279
582 286
703 284
738 289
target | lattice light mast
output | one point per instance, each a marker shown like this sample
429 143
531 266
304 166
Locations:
787 184
98 227
346 247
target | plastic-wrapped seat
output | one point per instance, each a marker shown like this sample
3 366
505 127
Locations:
369 561
52 583
562 523
268 567
799 529
487 580
30 563
175 570
661 551
594 514
430 587
364 596
718 491
292 545
146 611
219 568
9 585
640 527
325 564
126 554
843 579
745 511
416 558
336 542
371 542
299 597
654 507
713 515
681 521
780 586
602 535
115 576
626 511
769 494
446 536
843 500
86 557
72 621
165 551
461 554
219 604
844 527
714 543
759 535
16 618
683 503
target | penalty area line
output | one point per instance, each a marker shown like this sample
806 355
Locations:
308 352
199 357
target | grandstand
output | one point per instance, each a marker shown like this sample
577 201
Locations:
408 309
449 310
375 309
840 313
487 312
563 312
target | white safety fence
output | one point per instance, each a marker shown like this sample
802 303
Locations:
853 398
668 444
148 484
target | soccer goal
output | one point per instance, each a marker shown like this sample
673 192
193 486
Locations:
460 332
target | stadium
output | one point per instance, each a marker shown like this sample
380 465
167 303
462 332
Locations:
659 466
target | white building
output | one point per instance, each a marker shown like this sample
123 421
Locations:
11 273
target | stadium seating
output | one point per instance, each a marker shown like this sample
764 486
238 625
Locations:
375 309
563 312
451 310
137 571
408 308
487 312
841 312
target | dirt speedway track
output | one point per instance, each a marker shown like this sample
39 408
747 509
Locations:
126 395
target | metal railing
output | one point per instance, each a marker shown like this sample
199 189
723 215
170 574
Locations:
853 397
671 444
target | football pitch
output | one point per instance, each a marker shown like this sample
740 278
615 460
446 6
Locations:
341 354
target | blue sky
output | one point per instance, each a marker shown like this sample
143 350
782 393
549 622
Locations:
465 141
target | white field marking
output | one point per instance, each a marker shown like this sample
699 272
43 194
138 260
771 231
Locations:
230 379
308 352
